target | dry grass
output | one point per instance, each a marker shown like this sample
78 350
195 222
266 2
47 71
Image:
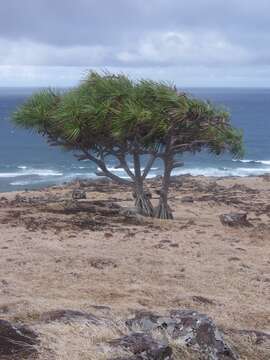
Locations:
77 341
191 262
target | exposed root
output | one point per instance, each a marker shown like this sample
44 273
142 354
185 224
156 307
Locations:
163 211
144 205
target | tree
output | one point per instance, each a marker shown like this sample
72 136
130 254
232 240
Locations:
112 116
199 126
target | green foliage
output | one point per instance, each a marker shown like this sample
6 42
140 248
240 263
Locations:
112 111
38 112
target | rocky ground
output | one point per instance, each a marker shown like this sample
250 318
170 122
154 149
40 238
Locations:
75 271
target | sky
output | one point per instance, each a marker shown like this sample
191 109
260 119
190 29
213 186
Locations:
194 43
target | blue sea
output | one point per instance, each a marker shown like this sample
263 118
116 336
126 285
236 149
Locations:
27 162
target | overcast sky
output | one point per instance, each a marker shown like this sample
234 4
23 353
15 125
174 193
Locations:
192 42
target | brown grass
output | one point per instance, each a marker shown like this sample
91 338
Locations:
191 262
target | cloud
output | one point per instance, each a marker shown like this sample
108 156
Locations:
156 49
140 37
26 52
186 48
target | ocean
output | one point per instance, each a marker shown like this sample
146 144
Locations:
27 162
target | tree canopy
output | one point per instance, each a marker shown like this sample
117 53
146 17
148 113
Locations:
111 115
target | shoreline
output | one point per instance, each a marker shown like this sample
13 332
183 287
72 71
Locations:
67 184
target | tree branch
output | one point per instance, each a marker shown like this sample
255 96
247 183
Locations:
122 163
137 162
177 164
105 172
148 166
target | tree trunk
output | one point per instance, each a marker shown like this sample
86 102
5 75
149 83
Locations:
142 199
142 202
163 211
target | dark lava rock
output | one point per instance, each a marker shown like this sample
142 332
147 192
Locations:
78 194
186 328
21 199
16 341
202 300
199 332
144 347
101 264
187 199
143 320
235 219
67 316
244 188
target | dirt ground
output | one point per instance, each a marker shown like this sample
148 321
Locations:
54 256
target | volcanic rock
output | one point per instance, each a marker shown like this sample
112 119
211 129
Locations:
16 341
78 194
186 328
235 219
144 347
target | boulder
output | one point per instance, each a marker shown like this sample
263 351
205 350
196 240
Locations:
187 199
199 332
143 320
235 219
143 347
187 328
16 341
78 194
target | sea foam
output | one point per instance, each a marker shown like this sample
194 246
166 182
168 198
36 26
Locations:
30 172
215 172
247 161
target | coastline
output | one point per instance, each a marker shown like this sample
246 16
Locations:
56 256
152 179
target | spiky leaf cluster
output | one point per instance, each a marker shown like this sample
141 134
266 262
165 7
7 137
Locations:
108 112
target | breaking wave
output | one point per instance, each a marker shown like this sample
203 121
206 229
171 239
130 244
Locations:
23 175
30 172
223 172
246 161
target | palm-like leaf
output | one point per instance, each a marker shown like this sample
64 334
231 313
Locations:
109 111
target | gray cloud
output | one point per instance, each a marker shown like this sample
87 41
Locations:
203 36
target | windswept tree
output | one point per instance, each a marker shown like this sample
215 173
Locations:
133 122
193 126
